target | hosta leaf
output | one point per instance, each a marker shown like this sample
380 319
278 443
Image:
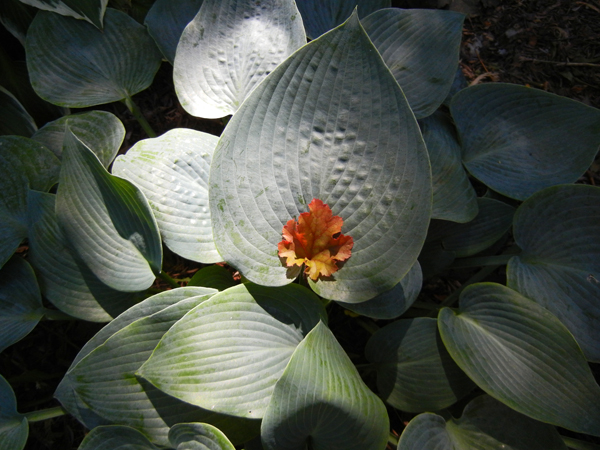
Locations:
64 278
329 123
321 399
107 220
213 276
558 230
16 17
198 436
166 21
414 370
23 163
105 378
172 171
14 428
454 197
65 392
492 221
420 46
118 61
521 354
14 119
89 10
227 354
321 16
514 138
20 301
100 131
393 303
486 424
116 437
229 48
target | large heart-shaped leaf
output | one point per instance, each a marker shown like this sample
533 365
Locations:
321 399
106 382
14 428
107 220
393 303
486 424
64 278
23 163
118 61
172 171
20 301
558 230
100 131
14 119
521 354
229 48
420 46
414 370
166 21
227 354
329 123
514 138
454 197
320 16
89 10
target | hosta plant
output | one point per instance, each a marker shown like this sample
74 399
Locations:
351 169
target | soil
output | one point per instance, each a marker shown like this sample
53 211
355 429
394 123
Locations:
550 45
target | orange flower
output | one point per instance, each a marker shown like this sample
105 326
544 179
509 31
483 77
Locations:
316 241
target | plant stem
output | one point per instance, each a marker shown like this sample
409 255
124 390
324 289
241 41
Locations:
45 414
53 314
393 439
166 277
137 113
576 444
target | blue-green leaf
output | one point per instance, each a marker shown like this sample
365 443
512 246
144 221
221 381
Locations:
514 138
14 428
522 355
118 61
107 220
172 171
116 437
198 436
229 48
14 119
89 10
558 230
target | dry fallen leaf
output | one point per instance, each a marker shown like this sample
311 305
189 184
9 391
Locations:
316 241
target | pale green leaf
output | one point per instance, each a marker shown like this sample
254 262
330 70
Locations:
100 131
14 428
414 370
227 354
329 123
14 119
421 48
229 48
522 355
20 301
454 198
320 399
116 437
198 436
320 16
65 280
118 61
107 220
518 140
89 10
393 303
166 20
558 230
172 171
